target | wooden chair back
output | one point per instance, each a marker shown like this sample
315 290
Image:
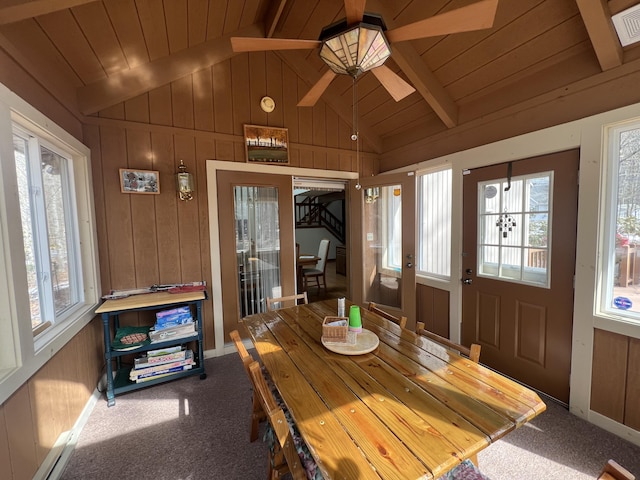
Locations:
402 321
473 353
257 413
282 302
285 453
614 471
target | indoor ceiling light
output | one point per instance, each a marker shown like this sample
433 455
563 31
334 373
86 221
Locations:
352 50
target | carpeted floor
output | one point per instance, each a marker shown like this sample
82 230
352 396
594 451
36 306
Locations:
194 429
188 429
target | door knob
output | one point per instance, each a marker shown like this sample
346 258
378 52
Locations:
467 281
409 264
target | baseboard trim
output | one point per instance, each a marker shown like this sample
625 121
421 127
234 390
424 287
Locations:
56 461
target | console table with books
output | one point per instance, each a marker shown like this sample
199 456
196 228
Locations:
111 311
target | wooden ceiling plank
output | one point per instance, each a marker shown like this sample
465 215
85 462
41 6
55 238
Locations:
354 10
151 16
67 36
35 8
197 13
123 15
97 27
426 83
521 30
233 16
250 13
272 17
177 24
522 62
135 81
597 19
295 60
217 13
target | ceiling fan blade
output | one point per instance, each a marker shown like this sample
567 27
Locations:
476 16
257 44
354 10
312 96
394 84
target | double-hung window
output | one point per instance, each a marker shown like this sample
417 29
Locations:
49 272
49 229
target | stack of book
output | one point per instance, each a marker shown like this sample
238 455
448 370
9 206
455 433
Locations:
161 363
174 323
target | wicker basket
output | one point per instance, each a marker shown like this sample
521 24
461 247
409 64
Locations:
335 333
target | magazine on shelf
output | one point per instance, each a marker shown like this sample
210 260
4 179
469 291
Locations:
188 360
134 376
148 361
164 351
160 375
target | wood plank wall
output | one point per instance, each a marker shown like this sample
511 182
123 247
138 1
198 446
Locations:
156 239
33 418
615 377
432 308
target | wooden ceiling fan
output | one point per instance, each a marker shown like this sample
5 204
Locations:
361 42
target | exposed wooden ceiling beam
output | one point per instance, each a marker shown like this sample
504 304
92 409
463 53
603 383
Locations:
297 62
425 83
33 8
597 19
272 17
143 78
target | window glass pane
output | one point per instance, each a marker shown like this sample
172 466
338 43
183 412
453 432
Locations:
257 247
489 260
20 152
383 245
434 251
513 215
623 272
53 168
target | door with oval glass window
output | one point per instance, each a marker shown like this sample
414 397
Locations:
518 267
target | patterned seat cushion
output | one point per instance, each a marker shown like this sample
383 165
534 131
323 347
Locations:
307 461
465 471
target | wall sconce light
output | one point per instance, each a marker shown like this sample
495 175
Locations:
184 181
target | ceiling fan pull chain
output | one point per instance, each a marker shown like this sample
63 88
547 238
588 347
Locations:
355 136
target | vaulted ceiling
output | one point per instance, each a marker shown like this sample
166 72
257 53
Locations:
533 68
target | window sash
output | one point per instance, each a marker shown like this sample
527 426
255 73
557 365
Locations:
41 225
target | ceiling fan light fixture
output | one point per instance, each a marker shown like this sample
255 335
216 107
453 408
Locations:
354 51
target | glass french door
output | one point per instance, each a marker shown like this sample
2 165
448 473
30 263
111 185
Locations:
388 243
256 241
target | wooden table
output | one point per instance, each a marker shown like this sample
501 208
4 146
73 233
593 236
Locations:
408 410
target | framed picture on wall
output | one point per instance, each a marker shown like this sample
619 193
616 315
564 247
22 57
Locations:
266 144
139 181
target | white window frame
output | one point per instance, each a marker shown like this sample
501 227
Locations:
20 354
608 224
